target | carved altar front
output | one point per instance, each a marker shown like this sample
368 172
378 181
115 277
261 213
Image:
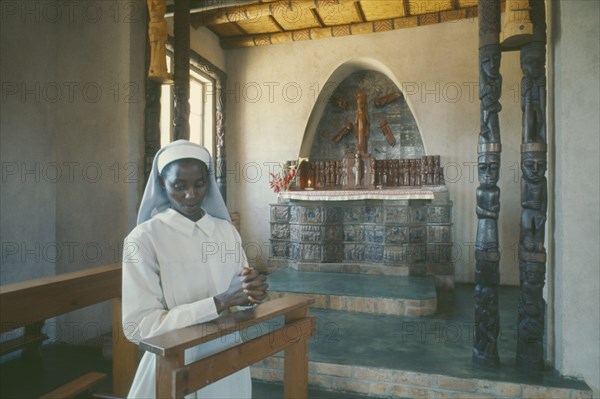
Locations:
395 231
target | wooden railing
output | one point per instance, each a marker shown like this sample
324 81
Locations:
31 302
175 379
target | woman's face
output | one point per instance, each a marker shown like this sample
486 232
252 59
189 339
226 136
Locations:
186 184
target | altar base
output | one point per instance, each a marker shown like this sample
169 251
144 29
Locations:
397 231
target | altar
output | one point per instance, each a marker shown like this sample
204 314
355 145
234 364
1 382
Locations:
364 196
399 231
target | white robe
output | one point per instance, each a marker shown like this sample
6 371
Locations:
172 269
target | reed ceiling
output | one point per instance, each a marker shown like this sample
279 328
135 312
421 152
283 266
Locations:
264 22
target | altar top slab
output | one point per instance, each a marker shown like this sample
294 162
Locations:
424 193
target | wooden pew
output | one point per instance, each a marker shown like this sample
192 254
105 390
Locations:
174 379
30 302
75 387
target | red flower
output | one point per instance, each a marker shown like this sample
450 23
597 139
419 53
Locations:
282 183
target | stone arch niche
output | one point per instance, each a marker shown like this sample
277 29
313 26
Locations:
350 211
340 109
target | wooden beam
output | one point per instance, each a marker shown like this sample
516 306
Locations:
277 24
317 17
253 11
345 30
360 12
406 6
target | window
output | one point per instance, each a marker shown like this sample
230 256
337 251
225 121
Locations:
201 108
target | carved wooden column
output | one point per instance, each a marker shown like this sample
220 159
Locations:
534 195
157 36
181 117
151 115
220 158
487 254
151 125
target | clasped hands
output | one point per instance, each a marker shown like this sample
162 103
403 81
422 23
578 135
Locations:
248 287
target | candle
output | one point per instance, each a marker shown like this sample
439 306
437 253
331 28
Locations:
309 187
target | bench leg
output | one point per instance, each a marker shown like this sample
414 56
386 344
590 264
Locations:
296 371
124 354
33 333
295 363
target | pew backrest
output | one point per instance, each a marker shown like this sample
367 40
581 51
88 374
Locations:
29 302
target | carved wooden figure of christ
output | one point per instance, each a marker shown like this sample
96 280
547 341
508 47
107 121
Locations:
361 125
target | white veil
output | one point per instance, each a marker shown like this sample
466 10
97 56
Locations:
155 199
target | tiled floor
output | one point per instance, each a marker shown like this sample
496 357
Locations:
436 345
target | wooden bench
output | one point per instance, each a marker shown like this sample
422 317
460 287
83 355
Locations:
30 341
30 302
75 387
175 379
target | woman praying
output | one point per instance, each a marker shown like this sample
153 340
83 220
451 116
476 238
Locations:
183 264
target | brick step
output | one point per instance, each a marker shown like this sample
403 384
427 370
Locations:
378 294
390 383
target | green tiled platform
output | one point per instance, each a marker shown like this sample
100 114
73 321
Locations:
379 294
420 357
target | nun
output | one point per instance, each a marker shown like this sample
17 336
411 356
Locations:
183 264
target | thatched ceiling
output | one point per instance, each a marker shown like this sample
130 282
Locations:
245 23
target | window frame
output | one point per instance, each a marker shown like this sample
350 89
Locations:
218 79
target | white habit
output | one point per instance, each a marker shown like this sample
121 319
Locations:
172 268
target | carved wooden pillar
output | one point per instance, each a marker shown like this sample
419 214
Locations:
157 36
220 159
534 195
487 254
152 125
181 117
151 117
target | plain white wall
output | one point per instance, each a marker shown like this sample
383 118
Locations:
576 67
83 127
104 135
27 200
272 91
205 43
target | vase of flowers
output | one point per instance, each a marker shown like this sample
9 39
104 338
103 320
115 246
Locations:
283 180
